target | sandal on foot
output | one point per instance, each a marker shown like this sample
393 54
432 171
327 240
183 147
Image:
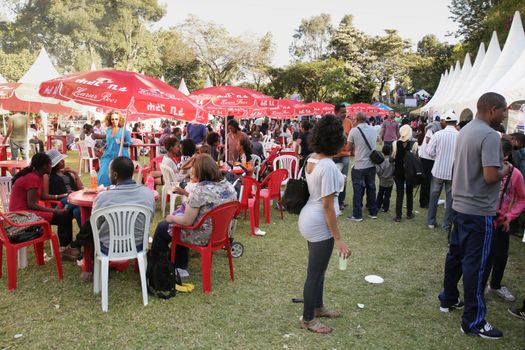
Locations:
315 326
325 312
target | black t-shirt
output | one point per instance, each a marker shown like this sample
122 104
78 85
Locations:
305 149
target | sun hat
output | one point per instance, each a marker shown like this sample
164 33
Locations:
450 116
405 133
55 157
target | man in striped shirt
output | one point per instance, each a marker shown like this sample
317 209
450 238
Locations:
441 148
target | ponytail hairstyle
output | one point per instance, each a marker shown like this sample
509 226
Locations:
37 162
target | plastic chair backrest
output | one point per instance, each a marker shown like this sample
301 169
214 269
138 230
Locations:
121 220
288 162
248 189
168 174
5 192
274 180
221 217
154 164
85 150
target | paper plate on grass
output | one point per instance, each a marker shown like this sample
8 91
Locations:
374 279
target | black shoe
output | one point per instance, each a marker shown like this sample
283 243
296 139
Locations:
519 313
410 216
397 219
458 305
486 332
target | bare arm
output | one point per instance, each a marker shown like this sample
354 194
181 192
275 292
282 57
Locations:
190 214
32 202
78 180
350 146
331 221
493 174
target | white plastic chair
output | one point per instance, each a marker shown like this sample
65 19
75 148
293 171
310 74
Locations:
170 181
86 155
5 192
256 161
288 162
121 221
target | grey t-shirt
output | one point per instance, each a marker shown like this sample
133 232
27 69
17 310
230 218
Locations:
478 146
324 180
361 150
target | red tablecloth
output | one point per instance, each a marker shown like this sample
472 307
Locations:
63 138
6 165
85 202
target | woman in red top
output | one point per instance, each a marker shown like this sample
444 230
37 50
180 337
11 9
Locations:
27 192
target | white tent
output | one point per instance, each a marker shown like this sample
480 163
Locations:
461 81
512 50
93 66
208 82
183 88
2 80
41 70
472 75
422 93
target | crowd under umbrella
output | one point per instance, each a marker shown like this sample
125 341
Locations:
131 93
234 101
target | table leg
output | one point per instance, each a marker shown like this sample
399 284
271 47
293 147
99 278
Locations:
48 143
64 144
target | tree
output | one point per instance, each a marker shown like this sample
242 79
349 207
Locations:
391 53
322 80
14 65
431 59
259 61
311 39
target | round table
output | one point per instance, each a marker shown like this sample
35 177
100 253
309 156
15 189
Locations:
5 165
85 203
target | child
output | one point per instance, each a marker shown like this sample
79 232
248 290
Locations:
385 172
518 151
511 204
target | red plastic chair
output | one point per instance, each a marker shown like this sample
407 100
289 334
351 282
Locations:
249 201
221 217
38 243
154 165
272 191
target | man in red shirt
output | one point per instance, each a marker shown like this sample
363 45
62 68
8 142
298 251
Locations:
389 130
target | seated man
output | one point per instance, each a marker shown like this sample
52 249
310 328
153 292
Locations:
126 191
34 139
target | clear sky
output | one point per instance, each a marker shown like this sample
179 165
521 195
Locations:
412 18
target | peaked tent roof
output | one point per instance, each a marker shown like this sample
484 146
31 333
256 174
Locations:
2 80
41 70
473 72
512 50
183 88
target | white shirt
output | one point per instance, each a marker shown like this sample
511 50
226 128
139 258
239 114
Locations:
441 147
423 148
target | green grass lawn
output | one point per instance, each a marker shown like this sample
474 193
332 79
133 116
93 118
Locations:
255 311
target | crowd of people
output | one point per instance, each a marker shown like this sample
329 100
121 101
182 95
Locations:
480 168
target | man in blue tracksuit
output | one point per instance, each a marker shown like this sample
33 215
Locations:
478 170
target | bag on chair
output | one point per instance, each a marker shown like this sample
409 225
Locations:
162 276
18 234
296 193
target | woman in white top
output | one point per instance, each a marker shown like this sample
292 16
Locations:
317 221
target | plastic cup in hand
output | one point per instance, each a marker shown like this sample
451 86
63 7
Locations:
343 263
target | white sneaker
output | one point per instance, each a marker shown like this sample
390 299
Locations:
183 273
259 232
351 218
503 293
431 227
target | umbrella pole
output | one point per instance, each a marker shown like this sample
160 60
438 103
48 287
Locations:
123 133
225 139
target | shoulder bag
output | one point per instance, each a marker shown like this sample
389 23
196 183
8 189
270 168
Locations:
375 156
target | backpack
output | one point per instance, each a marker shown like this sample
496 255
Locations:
162 276
413 167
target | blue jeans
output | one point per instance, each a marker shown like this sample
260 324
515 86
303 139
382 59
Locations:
435 191
364 179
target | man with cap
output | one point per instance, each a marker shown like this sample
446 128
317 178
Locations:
441 148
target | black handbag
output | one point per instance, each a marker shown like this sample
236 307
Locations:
375 156
19 234
296 193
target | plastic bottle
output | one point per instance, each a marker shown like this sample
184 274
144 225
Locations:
93 179
150 182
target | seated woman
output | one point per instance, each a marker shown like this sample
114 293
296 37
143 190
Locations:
26 194
210 191
171 158
213 139
244 148
61 182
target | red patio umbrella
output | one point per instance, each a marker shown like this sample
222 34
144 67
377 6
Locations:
366 108
9 101
287 109
129 92
233 100
322 107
